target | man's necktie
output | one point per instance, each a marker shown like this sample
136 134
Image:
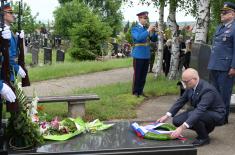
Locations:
193 95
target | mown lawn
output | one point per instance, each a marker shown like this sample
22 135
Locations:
72 68
116 100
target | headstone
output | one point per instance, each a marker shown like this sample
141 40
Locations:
120 139
47 55
60 55
35 51
45 42
199 59
57 41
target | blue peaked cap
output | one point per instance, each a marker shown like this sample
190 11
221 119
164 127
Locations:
228 6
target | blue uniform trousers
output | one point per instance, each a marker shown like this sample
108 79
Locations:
140 73
224 84
203 126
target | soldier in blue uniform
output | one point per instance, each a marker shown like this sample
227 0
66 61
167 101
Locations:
141 51
222 59
5 91
9 18
207 108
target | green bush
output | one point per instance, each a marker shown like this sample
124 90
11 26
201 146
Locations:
81 54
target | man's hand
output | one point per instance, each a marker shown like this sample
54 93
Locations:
151 28
231 72
177 133
6 33
163 119
7 93
21 72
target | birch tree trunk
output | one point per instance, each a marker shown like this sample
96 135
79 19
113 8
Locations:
202 21
175 42
160 39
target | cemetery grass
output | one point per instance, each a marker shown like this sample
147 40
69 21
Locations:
73 68
116 100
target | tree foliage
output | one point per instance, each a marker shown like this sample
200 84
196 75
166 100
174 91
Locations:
108 10
85 29
28 21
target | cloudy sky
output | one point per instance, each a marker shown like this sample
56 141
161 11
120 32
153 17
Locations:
45 9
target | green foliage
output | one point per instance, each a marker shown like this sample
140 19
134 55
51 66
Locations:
109 11
21 131
28 21
126 27
128 33
86 30
89 37
64 1
81 53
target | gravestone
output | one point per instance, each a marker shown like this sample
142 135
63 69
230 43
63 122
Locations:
118 140
60 55
57 41
199 59
35 52
47 55
45 43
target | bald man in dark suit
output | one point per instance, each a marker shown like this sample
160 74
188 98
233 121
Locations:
208 109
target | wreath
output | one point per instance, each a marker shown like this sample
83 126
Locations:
155 131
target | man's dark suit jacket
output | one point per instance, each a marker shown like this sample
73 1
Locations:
205 99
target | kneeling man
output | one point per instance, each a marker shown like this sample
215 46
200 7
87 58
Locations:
208 109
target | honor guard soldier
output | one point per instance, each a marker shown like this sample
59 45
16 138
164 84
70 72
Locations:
141 36
5 91
222 59
9 18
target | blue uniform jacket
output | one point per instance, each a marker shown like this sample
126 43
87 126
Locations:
206 99
13 55
223 48
141 35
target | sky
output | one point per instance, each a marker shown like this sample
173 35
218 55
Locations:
45 9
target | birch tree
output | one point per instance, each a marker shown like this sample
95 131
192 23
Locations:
202 21
160 39
175 42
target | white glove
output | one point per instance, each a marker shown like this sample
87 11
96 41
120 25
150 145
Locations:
6 33
21 72
7 93
21 34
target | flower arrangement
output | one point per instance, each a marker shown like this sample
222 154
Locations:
22 132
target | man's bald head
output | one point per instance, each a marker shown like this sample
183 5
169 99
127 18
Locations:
190 77
191 73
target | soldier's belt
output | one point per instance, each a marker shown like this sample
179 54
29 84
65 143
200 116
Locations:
141 44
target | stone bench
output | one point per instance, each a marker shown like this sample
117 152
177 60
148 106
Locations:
76 103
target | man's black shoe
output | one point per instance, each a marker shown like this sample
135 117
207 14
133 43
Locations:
200 142
226 121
